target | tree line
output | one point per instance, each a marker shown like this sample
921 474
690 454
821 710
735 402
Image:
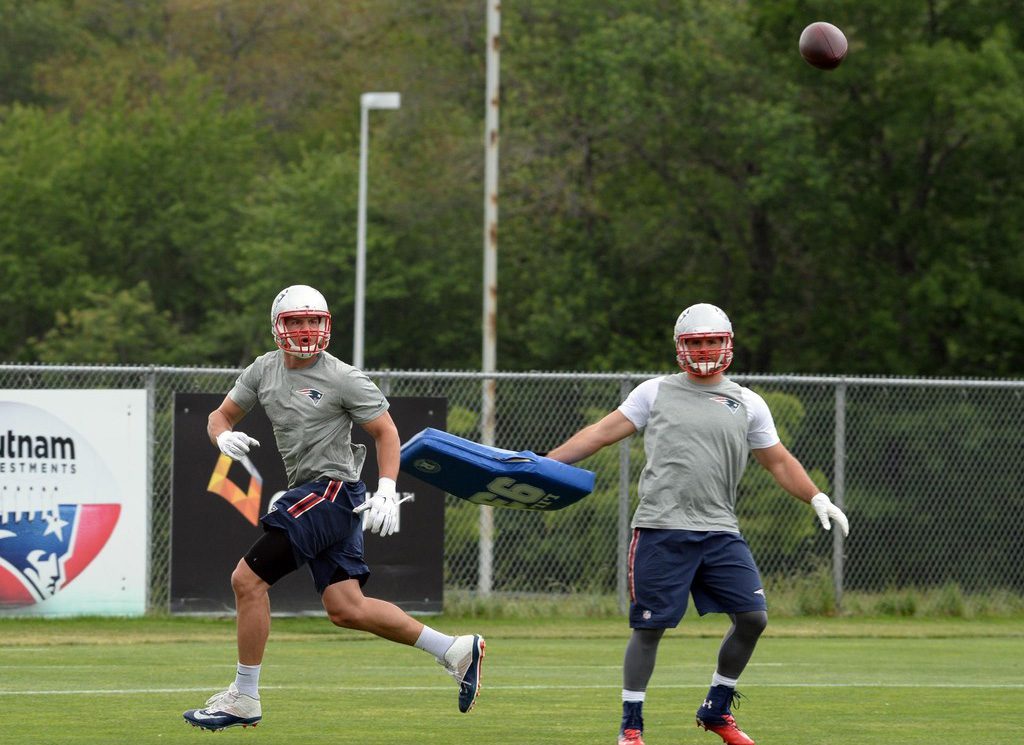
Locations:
167 166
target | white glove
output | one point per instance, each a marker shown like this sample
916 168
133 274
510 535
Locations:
236 445
380 511
828 512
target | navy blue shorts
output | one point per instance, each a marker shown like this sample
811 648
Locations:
323 531
665 566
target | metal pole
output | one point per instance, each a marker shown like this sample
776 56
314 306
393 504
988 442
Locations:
357 331
839 491
367 101
150 447
622 586
490 310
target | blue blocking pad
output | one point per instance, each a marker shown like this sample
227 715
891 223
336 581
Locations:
492 476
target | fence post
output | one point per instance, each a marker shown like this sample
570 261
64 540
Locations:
485 559
623 532
150 442
839 490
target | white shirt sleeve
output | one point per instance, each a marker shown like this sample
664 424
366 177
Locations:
637 406
761 432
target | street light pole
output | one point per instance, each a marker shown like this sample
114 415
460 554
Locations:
488 413
367 101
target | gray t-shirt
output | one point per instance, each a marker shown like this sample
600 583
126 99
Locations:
697 439
312 411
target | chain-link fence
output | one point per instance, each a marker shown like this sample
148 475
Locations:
928 471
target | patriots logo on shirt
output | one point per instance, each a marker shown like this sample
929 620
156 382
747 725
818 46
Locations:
312 393
732 404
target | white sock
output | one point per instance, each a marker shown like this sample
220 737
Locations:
721 680
634 695
247 679
434 642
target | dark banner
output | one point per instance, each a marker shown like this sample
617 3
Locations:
217 502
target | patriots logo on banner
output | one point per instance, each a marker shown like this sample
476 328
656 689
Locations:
732 404
312 393
60 504
41 552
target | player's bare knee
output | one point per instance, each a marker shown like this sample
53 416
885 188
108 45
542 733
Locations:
348 617
245 582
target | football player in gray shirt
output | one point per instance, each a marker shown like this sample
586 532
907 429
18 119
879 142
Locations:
699 428
312 400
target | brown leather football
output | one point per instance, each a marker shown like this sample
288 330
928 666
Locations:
823 45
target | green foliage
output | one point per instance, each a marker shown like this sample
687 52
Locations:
891 448
535 546
809 593
534 606
139 187
31 31
462 421
119 328
297 227
42 270
897 603
865 220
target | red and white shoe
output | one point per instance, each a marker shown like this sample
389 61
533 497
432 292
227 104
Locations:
631 737
725 727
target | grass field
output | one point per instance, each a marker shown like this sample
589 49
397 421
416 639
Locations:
557 682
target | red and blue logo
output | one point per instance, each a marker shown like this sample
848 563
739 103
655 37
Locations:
730 403
41 552
53 523
312 393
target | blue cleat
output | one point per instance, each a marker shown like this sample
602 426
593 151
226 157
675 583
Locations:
463 661
226 709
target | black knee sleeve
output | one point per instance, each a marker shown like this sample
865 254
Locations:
641 652
739 643
750 624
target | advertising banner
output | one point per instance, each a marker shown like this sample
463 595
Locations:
73 502
217 503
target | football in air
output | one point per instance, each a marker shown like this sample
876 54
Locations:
823 45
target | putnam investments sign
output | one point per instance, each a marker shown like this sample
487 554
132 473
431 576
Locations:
74 518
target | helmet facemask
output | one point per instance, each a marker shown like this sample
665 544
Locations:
703 335
704 361
305 340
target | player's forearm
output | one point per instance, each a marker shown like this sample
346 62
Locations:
589 440
217 423
388 456
584 443
792 477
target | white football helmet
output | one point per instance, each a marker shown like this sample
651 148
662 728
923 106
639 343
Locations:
300 301
703 321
